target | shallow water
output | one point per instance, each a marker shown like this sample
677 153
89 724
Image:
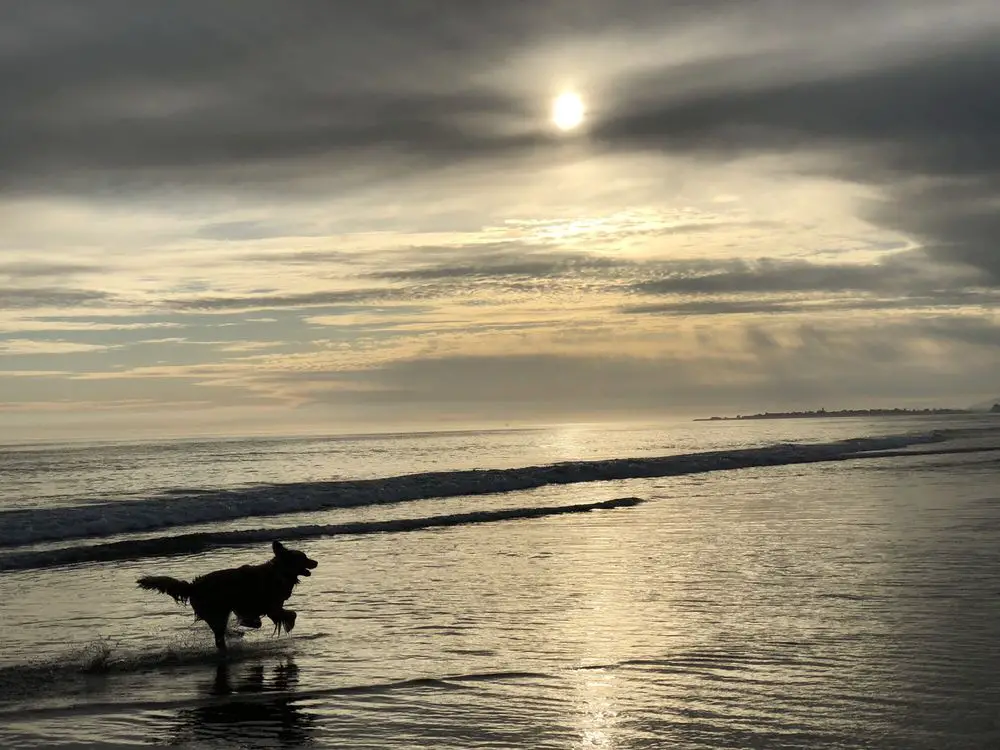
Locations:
842 605
38 475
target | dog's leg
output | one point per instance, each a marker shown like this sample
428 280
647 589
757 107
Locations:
222 685
249 621
217 622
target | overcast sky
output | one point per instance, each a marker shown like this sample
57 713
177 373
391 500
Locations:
254 216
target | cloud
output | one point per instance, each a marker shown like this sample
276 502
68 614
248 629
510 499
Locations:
904 273
182 94
40 269
302 257
925 130
763 276
956 218
925 101
237 231
976 330
76 405
347 298
720 307
102 324
895 94
189 93
31 347
765 369
492 261
812 305
382 176
49 297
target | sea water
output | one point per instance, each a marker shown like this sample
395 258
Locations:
800 583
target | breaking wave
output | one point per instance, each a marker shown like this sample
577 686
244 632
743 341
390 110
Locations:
25 531
20 527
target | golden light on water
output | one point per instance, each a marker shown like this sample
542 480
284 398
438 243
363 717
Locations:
568 111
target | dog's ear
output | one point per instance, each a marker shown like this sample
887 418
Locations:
278 547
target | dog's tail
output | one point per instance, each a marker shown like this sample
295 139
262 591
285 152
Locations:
179 590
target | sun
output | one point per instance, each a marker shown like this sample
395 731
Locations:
568 111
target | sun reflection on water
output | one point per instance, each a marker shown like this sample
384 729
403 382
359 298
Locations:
598 712
600 627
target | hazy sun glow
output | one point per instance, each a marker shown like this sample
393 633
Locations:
567 111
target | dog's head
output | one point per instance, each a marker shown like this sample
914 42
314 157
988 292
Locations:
292 561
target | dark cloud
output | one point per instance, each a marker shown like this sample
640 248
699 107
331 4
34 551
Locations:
926 130
235 231
312 258
813 304
184 91
957 219
525 380
777 370
101 96
764 276
44 297
354 299
936 102
902 281
36 269
717 307
973 330
108 92
502 260
903 273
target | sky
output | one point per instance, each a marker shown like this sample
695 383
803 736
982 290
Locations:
250 217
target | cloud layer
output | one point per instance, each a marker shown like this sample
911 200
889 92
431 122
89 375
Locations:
359 209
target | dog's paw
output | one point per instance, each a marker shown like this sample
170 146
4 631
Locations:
251 622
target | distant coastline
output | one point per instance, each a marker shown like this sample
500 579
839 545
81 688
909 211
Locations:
824 414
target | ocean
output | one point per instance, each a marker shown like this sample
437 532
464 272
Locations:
810 583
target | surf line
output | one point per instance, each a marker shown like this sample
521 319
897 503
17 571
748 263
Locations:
184 544
20 527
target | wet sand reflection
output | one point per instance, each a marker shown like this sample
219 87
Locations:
245 709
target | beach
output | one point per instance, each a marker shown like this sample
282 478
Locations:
848 600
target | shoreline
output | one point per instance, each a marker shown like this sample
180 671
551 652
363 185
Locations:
841 414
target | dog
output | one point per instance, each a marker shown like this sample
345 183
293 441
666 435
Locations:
248 592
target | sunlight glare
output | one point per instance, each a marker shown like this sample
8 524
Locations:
567 111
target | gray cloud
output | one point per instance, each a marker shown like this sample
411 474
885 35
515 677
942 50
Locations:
302 257
501 260
713 307
764 276
928 101
926 130
189 89
956 218
813 304
235 231
353 299
102 96
44 269
903 274
42 297
976 331
775 372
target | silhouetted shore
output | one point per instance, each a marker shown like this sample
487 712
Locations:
823 414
